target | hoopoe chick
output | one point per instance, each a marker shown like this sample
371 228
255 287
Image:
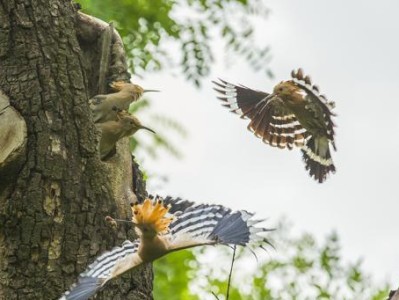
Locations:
112 131
164 226
102 106
295 114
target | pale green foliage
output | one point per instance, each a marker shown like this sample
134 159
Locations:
299 268
159 141
153 29
173 274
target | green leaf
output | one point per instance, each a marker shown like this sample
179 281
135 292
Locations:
147 26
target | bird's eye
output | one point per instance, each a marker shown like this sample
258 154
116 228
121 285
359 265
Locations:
280 89
131 122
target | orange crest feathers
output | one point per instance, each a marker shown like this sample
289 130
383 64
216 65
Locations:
151 217
118 85
128 86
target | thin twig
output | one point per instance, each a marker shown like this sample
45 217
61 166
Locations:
231 272
215 295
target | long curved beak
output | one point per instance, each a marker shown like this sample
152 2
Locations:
270 97
273 98
151 91
146 128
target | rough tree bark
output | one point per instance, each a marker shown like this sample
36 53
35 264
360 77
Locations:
54 190
393 295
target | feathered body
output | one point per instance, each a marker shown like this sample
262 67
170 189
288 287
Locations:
295 114
112 131
104 107
163 229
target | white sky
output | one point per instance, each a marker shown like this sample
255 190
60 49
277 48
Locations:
351 50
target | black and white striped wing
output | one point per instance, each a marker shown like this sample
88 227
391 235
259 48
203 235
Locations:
100 271
177 205
270 119
213 224
277 126
317 103
316 151
240 99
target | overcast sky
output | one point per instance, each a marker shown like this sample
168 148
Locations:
351 50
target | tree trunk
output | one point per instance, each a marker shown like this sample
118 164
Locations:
394 295
54 191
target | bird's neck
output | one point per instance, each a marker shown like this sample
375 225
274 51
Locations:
113 128
152 248
293 99
125 98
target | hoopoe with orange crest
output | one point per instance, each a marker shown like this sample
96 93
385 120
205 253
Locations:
295 114
102 106
164 226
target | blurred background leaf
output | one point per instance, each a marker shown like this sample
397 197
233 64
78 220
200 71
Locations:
151 28
299 268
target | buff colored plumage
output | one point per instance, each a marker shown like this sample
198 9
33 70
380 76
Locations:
103 106
112 131
164 226
295 114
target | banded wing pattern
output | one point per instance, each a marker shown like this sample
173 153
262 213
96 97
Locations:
100 271
269 119
318 103
214 224
316 150
240 99
194 225
178 205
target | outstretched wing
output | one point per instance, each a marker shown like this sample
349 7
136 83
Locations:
107 266
317 104
178 205
270 119
240 99
213 224
316 151
195 225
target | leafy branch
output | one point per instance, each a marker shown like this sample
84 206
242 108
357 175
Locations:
190 27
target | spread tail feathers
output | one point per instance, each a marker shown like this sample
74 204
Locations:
317 157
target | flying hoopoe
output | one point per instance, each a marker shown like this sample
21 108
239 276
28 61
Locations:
102 106
165 226
295 114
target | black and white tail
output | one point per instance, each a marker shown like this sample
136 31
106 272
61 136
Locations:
317 158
